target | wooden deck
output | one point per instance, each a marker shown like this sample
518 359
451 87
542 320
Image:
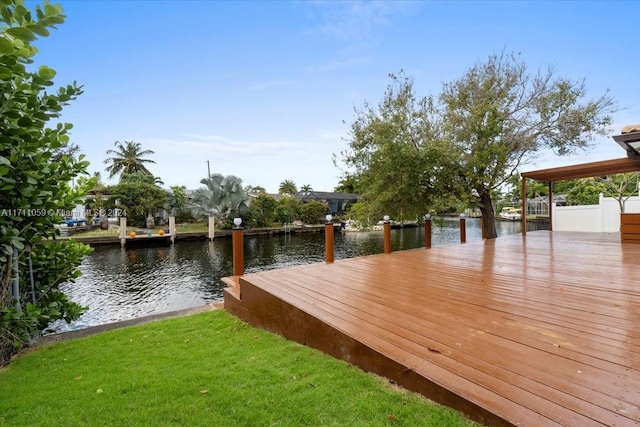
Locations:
539 330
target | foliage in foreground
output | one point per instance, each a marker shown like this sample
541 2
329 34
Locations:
37 167
208 369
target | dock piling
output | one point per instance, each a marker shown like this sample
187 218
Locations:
123 231
387 235
172 228
238 248
427 231
463 230
328 239
212 227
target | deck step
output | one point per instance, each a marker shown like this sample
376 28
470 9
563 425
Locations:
232 294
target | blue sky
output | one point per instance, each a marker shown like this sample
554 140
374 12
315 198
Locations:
266 90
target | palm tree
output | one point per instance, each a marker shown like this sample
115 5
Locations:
287 187
221 196
128 158
306 189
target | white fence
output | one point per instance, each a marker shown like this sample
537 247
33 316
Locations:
601 218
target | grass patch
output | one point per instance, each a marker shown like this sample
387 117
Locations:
208 369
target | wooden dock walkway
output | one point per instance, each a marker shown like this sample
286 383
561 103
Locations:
535 330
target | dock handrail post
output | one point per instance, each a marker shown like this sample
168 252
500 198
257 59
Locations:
463 229
387 235
237 237
482 228
328 239
123 231
427 231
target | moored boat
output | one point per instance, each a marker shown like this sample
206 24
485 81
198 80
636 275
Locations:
511 214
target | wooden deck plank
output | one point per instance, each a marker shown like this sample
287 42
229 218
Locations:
538 330
406 333
341 300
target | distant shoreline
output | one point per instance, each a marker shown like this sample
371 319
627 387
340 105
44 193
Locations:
203 235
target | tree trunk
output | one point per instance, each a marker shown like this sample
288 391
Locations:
621 203
488 215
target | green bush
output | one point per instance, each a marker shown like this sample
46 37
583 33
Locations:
313 212
37 168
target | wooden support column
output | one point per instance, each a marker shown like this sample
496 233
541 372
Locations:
237 236
550 205
463 230
387 235
123 231
172 228
483 228
211 228
328 240
523 198
427 232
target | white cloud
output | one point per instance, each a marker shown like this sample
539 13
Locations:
215 144
357 20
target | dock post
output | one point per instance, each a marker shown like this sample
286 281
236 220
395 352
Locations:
387 235
463 229
237 236
212 227
172 228
123 231
483 229
427 231
328 239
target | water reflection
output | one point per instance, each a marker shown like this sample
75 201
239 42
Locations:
119 284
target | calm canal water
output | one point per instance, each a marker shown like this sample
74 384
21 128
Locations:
119 284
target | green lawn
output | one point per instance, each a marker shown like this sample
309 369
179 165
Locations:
208 369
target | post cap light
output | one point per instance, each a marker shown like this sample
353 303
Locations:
386 217
328 218
461 215
427 216
237 221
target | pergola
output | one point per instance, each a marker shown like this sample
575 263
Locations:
629 141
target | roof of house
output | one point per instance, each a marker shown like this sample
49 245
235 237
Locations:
326 195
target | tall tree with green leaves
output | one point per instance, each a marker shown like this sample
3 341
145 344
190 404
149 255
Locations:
468 141
128 158
287 187
37 168
306 189
397 157
499 115
138 196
